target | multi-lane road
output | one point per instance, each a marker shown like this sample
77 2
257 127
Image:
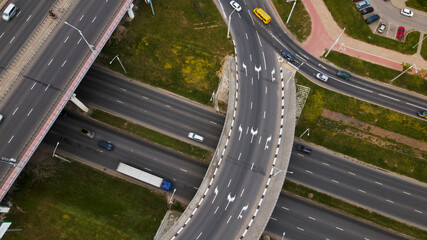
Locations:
298 218
369 187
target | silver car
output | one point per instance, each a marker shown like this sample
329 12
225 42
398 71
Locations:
322 77
196 137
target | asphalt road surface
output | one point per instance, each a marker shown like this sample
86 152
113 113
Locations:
298 218
323 170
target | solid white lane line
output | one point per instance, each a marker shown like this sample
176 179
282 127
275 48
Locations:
259 39
309 171
389 201
265 63
392 98
413 105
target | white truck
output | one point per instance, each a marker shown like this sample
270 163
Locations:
144 176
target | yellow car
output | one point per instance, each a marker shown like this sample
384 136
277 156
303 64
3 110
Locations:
422 114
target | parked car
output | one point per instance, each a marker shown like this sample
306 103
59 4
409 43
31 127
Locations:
288 56
1 117
88 133
236 6
422 114
106 145
366 10
322 77
303 149
372 19
382 27
400 33
196 137
362 4
407 12
343 74
357 0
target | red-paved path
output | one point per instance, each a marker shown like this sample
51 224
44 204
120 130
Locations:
322 38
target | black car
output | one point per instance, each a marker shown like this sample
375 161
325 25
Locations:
372 19
107 145
288 56
303 149
366 10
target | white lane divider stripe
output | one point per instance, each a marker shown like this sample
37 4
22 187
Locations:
392 98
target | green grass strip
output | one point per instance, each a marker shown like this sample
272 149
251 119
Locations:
417 4
359 212
151 135
300 22
394 157
424 47
346 15
414 83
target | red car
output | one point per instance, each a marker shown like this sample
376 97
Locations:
400 33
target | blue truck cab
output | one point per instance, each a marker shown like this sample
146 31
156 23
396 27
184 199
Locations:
166 185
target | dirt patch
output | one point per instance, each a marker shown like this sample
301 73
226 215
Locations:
374 130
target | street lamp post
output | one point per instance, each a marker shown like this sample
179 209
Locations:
170 201
54 150
229 22
121 64
420 41
336 41
92 48
290 14
306 131
413 65
283 235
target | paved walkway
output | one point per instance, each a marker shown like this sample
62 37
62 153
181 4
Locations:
322 39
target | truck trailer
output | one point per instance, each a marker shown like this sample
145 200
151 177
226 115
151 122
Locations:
144 176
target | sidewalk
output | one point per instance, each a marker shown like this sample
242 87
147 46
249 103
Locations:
322 39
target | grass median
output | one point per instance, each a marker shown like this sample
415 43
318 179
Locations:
358 212
424 47
413 82
346 15
362 145
178 49
151 135
58 200
300 22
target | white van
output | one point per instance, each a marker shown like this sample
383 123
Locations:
9 12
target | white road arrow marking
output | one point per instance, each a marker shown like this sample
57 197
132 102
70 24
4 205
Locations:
216 194
258 69
246 69
253 132
266 142
240 130
272 75
243 209
230 199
